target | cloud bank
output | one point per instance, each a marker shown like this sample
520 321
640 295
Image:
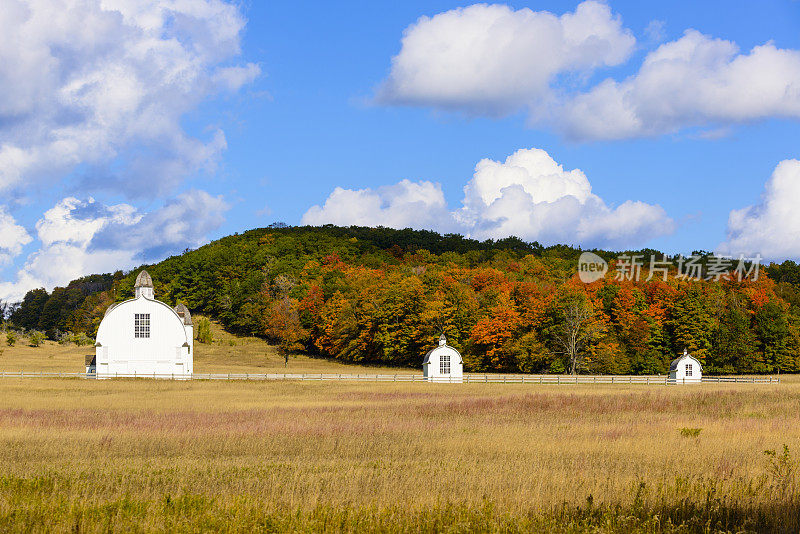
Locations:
84 236
104 84
528 195
771 227
12 237
492 60
693 81
92 97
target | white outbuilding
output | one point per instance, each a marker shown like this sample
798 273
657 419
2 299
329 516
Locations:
443 364
143 336
685 369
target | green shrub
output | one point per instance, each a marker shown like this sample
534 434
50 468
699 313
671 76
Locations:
11 338
690 432
64 338
204 331
36 338
81 339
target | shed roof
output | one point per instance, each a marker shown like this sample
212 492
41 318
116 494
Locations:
440 347
674 365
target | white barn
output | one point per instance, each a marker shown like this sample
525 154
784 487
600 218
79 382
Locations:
144 337
685 369
443 364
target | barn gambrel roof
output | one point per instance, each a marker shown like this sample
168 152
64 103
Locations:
117 305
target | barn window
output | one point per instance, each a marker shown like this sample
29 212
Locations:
688 369
444 364
141 325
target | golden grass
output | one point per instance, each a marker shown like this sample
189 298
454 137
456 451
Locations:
151 455
110 454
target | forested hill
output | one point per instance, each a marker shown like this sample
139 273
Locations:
381 295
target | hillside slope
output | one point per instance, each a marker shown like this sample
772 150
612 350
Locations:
381 296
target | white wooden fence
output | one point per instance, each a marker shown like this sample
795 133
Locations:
468 378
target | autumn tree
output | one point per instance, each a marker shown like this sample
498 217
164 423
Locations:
491 340
283 326
575 329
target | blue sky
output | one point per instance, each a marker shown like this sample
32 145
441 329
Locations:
238 115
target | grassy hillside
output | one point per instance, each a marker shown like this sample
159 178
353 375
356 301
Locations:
381 296
227 353
152 456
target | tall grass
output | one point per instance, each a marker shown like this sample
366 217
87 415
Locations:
142 455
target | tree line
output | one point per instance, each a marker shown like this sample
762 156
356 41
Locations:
378 295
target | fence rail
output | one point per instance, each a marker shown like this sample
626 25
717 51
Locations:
468 378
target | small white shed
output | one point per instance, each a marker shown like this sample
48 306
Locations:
685 369
443 364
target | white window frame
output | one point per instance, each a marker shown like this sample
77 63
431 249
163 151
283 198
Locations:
444 364
141 325
688 369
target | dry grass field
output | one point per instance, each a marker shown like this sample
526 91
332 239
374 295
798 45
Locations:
149 455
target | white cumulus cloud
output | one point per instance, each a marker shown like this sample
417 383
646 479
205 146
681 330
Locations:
12 237
494 59
104 84
405 204
771 227
84 236
531 196
693 81
528 195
